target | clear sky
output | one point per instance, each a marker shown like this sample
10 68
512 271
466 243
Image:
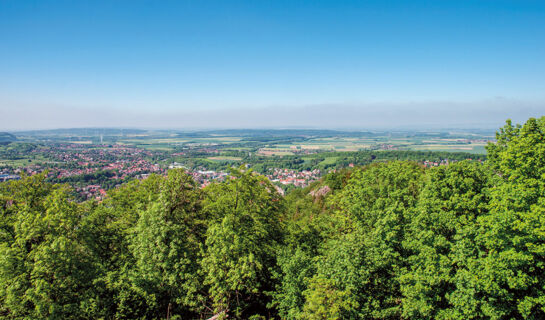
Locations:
332 64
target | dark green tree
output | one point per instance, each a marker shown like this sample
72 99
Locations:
364 264
309 225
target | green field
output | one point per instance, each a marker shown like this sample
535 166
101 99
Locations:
329 160
23 162
224 158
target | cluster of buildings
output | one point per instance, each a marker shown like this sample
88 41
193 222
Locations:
443 162
205 177
62 161
202 177
91 191
289 176
6 177
385 146
82 153
124 161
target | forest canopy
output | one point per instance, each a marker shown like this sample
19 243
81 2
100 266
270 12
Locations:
391 240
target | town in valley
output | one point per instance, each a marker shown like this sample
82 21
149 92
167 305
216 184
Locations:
98 159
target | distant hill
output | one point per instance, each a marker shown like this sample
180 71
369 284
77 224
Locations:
83 131
6 138
261 133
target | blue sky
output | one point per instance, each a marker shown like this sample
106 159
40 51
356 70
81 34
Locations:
182 64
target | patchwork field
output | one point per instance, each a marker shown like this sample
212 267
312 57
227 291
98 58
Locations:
236 145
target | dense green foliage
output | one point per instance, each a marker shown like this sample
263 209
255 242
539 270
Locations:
299 162
344 159
389 240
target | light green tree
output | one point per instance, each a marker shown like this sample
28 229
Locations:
109 229
442 237
511 273
166 244
46 269
242 239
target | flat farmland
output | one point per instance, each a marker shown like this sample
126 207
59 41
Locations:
224 158
311 144
276 151
381 143
170 143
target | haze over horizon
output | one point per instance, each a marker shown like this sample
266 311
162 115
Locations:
278 64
